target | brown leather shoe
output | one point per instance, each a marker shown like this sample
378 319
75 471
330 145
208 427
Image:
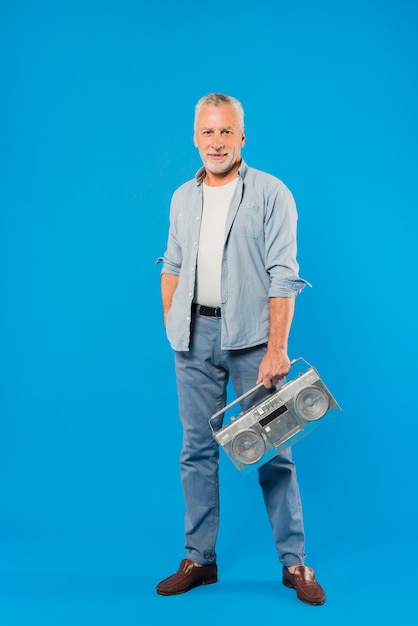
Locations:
189 575
307 587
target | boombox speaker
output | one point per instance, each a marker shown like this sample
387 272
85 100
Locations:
278 421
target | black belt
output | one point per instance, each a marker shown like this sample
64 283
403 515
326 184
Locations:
210 311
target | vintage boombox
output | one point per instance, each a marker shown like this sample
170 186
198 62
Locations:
278 421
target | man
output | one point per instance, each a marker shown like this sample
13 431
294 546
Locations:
229 282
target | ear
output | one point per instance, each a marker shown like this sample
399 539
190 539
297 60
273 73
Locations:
243 138
195 140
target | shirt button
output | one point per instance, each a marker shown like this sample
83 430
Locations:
187 319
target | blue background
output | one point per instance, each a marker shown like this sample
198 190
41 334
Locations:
96 133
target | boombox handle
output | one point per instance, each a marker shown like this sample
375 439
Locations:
248 393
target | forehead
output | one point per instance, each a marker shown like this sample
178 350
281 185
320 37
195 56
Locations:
222 115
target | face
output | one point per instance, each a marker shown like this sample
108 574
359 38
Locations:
219 138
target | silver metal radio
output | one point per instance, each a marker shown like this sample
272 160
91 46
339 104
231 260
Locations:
278 421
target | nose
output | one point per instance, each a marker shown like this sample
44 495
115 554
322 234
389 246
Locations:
217 141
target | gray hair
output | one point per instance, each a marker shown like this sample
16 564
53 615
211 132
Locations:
219 98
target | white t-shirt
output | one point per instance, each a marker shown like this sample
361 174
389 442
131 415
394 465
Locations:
216 201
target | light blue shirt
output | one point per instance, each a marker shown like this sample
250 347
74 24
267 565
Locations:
259 257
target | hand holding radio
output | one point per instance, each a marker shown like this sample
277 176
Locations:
274 366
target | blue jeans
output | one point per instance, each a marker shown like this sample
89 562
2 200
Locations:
202 375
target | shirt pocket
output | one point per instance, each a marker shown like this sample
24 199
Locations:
182 226
249 220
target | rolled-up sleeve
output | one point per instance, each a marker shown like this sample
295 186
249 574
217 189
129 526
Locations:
280 245
173 256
